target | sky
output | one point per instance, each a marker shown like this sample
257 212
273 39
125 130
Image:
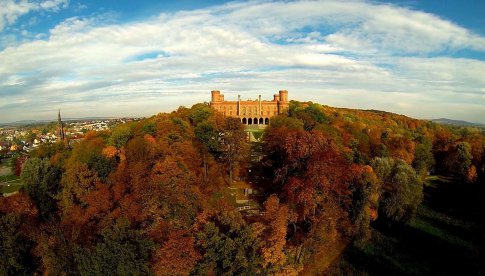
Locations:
424 59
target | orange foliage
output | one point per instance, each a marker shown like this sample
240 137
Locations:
177 256
110 151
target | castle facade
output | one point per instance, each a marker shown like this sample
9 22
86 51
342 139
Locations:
251 112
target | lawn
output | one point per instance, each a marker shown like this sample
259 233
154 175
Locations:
445 238
9 182
12 187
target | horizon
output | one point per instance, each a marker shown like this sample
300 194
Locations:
65 119
119 59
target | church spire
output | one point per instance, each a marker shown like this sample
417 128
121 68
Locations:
60 128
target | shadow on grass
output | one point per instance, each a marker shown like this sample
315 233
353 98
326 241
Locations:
408 251
446 238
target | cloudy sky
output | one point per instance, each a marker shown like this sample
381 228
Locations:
424 59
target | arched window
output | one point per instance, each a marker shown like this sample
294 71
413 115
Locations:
266 121
250 121
255 121
261 121
244 121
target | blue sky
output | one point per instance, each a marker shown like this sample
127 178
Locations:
424 59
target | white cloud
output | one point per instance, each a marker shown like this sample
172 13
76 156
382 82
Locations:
348 58
11 10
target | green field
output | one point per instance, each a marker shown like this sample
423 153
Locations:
14 186
445 238
9 182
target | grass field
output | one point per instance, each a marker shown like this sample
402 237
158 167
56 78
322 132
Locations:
13 187
9 182
445 238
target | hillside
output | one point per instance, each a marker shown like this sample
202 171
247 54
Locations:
445 121
185 193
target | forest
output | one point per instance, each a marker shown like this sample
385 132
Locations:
151 197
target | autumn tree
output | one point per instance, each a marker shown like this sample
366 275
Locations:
177 255
365 199
276 219
18 226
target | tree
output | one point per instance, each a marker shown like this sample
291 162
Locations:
42 184
15 258
423 157
460 159
276 219
121 251
365 197
234 146
55 247
177 256
208 136
227 244
149 128
18 226
120 136
200 113
402 190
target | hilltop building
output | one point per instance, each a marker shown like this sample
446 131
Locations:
251 112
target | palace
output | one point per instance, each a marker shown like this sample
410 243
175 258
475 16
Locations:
251 112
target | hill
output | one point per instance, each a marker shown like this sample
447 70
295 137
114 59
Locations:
457 122
185 193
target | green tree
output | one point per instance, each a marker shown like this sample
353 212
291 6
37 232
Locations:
402 190
423 157
120 136
460 159
208 136
150 128
285 121
234 145
41 184
200 113
228 246
103 165
15 258
121 251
